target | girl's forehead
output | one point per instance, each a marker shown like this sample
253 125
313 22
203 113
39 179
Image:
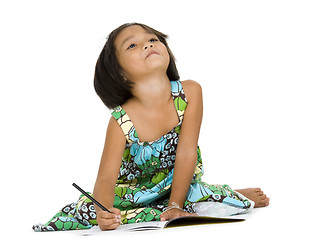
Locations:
133 29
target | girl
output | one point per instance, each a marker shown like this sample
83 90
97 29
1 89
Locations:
151 164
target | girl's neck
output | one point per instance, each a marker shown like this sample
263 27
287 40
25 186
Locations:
152 93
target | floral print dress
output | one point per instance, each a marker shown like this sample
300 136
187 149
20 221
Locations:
144 183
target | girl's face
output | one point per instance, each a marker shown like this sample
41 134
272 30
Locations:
140 53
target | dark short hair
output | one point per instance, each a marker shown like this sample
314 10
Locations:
108 81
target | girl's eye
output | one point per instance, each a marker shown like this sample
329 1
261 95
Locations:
131 46
151 40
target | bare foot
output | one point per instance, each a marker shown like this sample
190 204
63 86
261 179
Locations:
257 195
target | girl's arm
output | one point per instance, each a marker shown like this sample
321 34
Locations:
186 155
104 189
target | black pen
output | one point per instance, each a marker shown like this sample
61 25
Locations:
92 199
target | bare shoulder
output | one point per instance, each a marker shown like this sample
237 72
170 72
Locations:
190 84
114 130
113 123
192 89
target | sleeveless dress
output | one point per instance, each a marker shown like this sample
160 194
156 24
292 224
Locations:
144 182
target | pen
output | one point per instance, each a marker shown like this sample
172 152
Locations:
91 198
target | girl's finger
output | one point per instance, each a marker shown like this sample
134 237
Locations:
106 215
109 216
164 216
109 224
116 211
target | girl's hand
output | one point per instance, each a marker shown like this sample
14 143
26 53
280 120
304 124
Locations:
109 221
174 213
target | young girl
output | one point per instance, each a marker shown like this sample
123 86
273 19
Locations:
151 164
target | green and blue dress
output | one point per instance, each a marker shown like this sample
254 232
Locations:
144 182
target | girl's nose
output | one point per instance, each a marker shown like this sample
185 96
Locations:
150 45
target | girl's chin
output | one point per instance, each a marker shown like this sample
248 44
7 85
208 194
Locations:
156 62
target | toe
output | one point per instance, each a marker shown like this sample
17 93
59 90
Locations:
262 202
266 202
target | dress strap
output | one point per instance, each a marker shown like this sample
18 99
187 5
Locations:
125 123
179 98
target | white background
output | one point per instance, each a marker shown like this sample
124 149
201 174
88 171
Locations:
265 71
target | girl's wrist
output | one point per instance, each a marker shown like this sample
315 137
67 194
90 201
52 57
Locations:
177 200
172 205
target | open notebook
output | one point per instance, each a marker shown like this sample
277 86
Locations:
176 222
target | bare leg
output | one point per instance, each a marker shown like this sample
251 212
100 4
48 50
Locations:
257 195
